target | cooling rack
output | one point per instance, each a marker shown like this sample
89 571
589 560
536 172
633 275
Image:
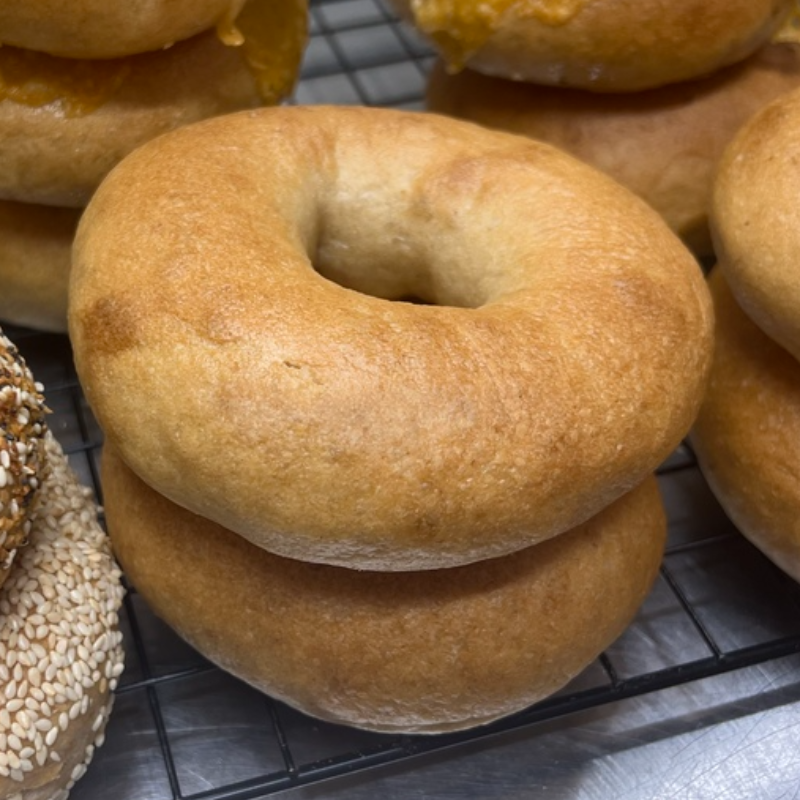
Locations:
184 730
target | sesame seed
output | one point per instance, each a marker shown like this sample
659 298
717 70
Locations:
58 617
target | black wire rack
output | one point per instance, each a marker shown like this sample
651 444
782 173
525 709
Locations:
183 730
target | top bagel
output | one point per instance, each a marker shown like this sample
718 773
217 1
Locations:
230 315
97 29
601 45
755 219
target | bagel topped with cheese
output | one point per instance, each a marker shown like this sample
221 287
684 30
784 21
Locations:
600 45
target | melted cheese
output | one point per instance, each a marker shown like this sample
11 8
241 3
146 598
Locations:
462 27
270 33
38 79
272 36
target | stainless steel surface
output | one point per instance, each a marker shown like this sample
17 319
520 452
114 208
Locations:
700 698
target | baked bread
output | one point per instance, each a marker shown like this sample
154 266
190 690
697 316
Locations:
663 144
22 452
65 123
419 652
746 432
755 222
35 256
559 357
599 45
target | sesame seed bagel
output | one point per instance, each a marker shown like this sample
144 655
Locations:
414 652
558 355
22 452
599 45
745 436
60 651
755 219
35 253
96 29
65 123
663 144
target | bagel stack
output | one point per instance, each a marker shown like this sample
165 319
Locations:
60 644
82 84
652 102
746 433
389 514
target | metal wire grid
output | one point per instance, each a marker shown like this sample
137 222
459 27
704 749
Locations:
184 730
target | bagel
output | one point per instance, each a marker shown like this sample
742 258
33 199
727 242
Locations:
663 144
22 451
35 252
60 645
558 355
64 123
599 45
96 29
746 432
413 652
755 219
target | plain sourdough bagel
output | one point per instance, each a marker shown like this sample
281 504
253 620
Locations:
231 319
64 123
755 219
600 45
419 652
22 451
97 29
663 144
35 254
745 436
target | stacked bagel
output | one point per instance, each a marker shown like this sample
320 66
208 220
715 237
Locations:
82 84
649 93
60 591
747 430
382 395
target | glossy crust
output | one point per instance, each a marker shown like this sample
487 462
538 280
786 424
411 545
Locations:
417 652
663 144
97 29
564 358
35 253
746 434
756 223
600 45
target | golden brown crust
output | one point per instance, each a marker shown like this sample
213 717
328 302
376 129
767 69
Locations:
59 152
754 219
91 29
35 248
566 358
746 434
414 652
600 45
662 144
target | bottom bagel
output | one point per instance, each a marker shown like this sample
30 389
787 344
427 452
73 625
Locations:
35 246
415 652
747 431
60 644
